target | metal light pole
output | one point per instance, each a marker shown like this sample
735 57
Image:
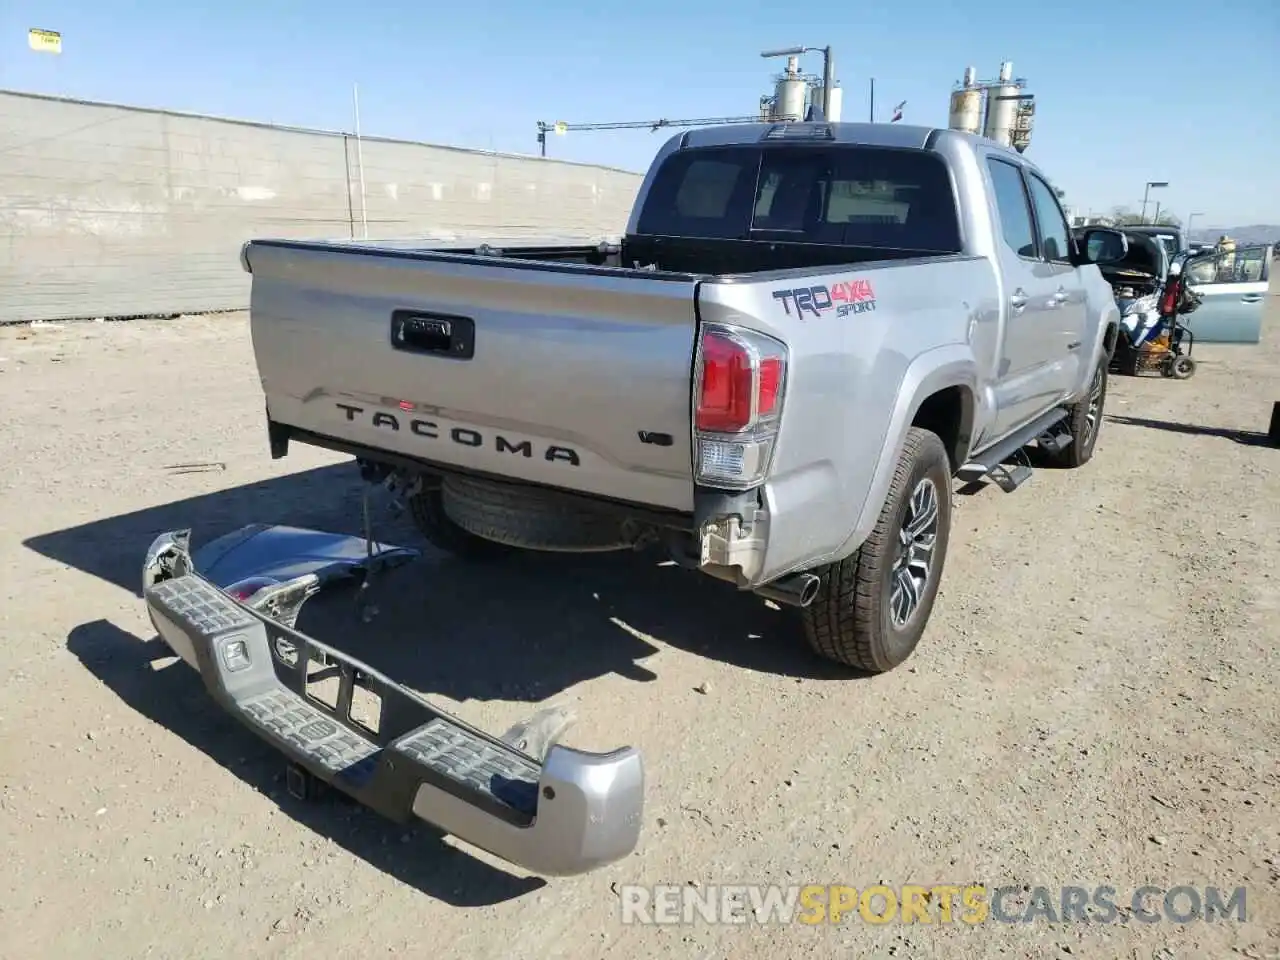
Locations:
1146 194
1191 217
364 207
828 69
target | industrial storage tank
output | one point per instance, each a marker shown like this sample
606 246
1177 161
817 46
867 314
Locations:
966 111
790 93
837 104
837 101
1002 112
789 97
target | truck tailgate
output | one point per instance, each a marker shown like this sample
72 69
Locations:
574 376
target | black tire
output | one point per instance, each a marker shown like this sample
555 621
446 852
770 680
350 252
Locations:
1124 359
1182 368
851 620
427 509
1085 423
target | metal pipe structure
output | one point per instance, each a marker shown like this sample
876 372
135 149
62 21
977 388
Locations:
653 125
364 206
828 68
1146 194
828 80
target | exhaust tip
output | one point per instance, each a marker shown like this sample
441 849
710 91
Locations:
797 590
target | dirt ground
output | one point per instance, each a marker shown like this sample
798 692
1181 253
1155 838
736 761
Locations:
1094 701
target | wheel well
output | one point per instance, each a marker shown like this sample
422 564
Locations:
949 414
1110 337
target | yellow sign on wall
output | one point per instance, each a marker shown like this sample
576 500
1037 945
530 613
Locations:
44 41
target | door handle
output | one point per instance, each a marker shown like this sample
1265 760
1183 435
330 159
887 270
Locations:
1060 297
1018 300
1251 298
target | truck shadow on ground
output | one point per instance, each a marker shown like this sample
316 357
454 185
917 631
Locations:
525 628
173 697
1250 438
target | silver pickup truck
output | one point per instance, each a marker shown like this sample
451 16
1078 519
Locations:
807 330
806 333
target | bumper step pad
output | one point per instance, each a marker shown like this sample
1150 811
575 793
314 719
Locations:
571 813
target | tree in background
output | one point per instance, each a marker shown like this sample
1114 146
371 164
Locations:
1124 217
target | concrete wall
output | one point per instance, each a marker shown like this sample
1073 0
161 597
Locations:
111 211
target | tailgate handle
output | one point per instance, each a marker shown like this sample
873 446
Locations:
440 334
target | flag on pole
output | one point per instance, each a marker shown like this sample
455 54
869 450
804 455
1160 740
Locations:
897 112
44 41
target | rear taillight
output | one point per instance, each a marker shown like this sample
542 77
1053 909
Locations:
1169 299
739 388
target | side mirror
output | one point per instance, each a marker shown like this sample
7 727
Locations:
1103 245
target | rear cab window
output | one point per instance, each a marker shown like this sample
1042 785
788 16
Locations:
842 196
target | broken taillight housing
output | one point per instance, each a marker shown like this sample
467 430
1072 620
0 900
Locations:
739 384
1172 294
245 590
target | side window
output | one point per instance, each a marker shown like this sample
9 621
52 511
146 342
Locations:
1055 237
1011 203
1229 266
1202 270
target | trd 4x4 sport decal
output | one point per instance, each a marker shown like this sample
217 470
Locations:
845 298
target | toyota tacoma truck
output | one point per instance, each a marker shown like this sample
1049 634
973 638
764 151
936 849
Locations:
806 333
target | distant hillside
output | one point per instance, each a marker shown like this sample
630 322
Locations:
1253 233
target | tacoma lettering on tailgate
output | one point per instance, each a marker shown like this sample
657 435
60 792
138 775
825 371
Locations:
847 297
463 436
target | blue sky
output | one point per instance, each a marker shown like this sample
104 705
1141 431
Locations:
1182 91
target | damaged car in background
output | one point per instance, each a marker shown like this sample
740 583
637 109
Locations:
1170 301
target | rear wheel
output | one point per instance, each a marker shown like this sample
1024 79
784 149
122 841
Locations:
427 509
873 606
1182 368
1084 421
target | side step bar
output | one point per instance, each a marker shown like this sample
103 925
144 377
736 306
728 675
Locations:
991 460
566 814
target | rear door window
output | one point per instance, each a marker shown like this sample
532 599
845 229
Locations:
1055 236
1013 207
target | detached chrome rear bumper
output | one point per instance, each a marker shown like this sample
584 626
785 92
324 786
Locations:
566 814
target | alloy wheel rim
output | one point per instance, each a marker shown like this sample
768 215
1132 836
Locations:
913 564
1094 409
